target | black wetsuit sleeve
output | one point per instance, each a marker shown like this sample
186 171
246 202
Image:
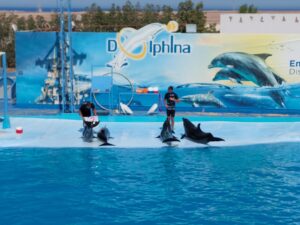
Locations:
92 106
175 96
81 108
166 96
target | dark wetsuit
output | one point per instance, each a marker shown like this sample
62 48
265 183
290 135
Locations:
171 104
85 110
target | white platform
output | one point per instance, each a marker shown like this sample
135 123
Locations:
58 133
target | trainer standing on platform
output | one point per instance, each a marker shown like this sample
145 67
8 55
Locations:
170 100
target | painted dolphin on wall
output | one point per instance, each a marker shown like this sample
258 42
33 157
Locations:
195 134
136 39
254 100
227 74
200 85
202 99
250 67
166 135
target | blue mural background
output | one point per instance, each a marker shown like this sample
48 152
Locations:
188 72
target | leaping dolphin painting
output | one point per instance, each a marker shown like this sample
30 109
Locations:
249 67
195 134
227 74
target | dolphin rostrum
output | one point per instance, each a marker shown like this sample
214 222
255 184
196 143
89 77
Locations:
195 134
202 99
166 135
103 135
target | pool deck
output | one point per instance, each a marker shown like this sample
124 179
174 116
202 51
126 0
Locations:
140 132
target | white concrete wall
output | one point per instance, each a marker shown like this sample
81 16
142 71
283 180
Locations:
260 23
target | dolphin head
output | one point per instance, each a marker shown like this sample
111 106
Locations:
220 61
188 125
166 126
229 60
221 75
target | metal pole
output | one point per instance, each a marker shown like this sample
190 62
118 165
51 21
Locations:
71 72
6 122
62 56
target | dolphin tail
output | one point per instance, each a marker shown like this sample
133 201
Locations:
279 79
182 136
171 140
158 136
107 144
217 139
278 98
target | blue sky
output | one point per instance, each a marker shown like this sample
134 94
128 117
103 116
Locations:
209 4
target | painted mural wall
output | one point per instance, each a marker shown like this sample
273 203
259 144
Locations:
209 71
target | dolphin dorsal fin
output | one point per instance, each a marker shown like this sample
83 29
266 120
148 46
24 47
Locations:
210 92
198 127
263 56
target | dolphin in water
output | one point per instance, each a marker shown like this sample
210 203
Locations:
88 133
227 74
250 68
195 134
166 135
103 135
202 99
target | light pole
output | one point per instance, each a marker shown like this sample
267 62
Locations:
6 122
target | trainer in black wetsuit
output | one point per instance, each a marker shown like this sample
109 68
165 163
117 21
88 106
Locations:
170 100
87 109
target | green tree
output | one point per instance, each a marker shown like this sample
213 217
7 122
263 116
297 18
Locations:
189 13
150 14
167 14
119 19
21 23
130 15
40 22
247 9
94 19
112 18
54 22
7 37
30 23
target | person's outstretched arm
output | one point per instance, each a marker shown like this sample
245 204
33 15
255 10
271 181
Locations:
176 98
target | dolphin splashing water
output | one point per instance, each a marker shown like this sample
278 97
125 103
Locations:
134 40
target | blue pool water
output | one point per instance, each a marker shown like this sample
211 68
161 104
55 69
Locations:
231 185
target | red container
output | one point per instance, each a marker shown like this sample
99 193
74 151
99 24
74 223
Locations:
19 130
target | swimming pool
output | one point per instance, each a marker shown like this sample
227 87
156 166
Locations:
257 184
